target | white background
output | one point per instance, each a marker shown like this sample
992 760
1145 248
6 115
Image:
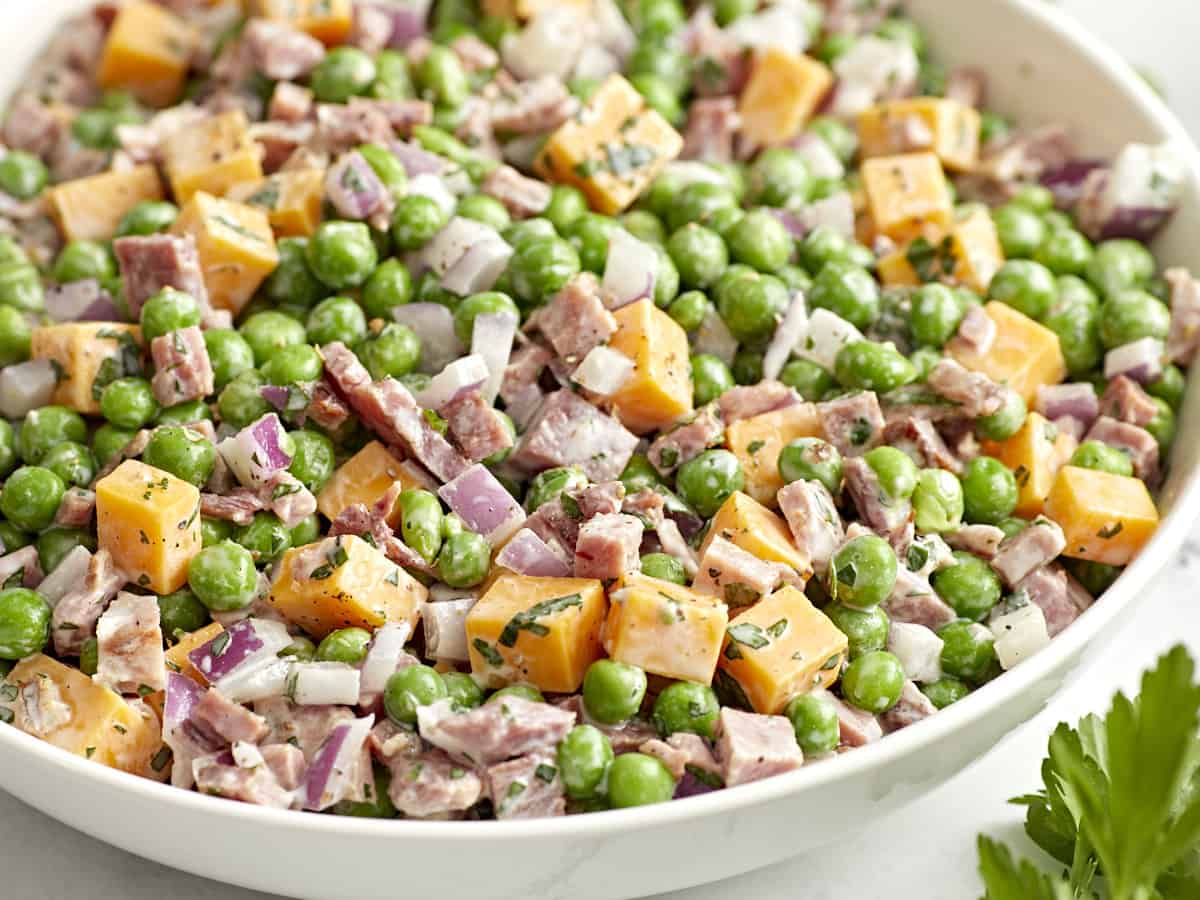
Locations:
923 853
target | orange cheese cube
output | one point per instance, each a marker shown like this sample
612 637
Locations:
895 270
149 521
539 631
524 10
1035 454
659 392
291 200
84 718
1106 518
758 441
948 128
91 208
83 352
744 521
364 478
235 244
329 21
147 53
177 655
780 647
906 194
612 149
1025 354
212 156
783 92
665 628
344 582
969 255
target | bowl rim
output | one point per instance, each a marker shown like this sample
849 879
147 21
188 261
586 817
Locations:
1169 536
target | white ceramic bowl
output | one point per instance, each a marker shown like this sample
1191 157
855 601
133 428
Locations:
1041 68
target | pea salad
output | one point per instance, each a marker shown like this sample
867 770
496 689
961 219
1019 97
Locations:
507 409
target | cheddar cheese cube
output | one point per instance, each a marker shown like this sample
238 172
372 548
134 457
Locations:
539 631
91 208
149 521
329 21
612 149
344 582
758 441
659 392
235 244
212 156
82 717
744 521
1035 454
946 127
906 194
665 628
147 53
364 478
84 352
524 10
1106 518
782 94
969 255
291 200
781 647
1025 354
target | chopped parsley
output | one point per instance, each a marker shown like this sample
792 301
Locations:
527 620
489 653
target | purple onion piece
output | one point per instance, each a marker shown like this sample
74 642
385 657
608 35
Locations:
528 554
1066 181
227 651
691 786
483 503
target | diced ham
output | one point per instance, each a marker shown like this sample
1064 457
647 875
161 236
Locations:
532 106
290 500
885 515
279 51
290 103
856 728
607 546
525 366
721 63
982 540
748 401
32 126
219 776
474 426
130 645
326 408
431 784
150 263
1059 596
285 147
914 601
1027 156
921 441
42 709
576 319
344 127
976 393
183 369
528 787
21 568
569 431
1075 399
373 27
813 519
1184 336
976 333
853 423
522 196
553 524
603 499
229 721
1125 400
673 448
357 193
712 126
912 707
967 85
683 751
237 507
389 742
286 764
1035 545
74 618
529 554
304 727
1140 444
647 506
751 746
734 575
495 731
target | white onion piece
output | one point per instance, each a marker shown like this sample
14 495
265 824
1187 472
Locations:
828 333
456 237
629 270
835 211
426 184
549 45
822 161
871 68
246 755
67 575
596 63
918 649
383 658
492 337
613 30
434 325
446 629
791 330
1141 360
323 683
26 386
714 337
603 371
255 454
528 554
258 682
478 268
692 171
465 372
780 26
1019 633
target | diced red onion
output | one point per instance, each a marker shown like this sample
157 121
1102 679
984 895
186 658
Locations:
483 504
180 699
603 371
327 779
548 45
26 386
323 684
1066 181
66 576
629 271
416 159
835 211
243 645
408 21
383 658
492 338
1141 360
788 335
462 374
434 325
793 222
259 681
528 554
478 268
275 394
1075 399
80 301
691 786
1134 197
828 333
353 188
714 337
427 184
256 453
822 161
446 628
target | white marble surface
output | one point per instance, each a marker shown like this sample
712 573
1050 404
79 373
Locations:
925 852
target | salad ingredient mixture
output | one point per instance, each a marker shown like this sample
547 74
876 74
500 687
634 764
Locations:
510 409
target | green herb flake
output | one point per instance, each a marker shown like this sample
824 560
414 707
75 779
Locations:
489 653
161 758
527 620
546 772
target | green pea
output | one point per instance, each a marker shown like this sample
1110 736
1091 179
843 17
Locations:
313 459
392 81
936 314
780 178
441 142
1006 421
747 366
442 75
812 381
710 378
689 310
638 475
346 645
21 287
937 501
873 681
334 319
387 166
485 209
1075 318
1027 286
862 572
266 332
923 360
896 471
699 254
24 623
847 290
12 537
229 353
968 651
653 57
524 691
761 241
31 497
969 586
306 531
1129 315
635 779
1012 525
8 447
16 336
89 657
223 576
265 537
659 95
1096 577
1162 426
128 402
343 73
815 722
410 688
293 283
1064 251
1169 386
866 365
108 441
46 428
464 560
1118 265
839 137
474 305
584 756
644 225
296 363
168 310
551 483
613 691
1103 458
706 481
567 204
22 175
945 691
71 462
810 458
389 286
213 531
83 259
989 490
750 306
421 522
148 217
416 220
685 706
464 692
698 202
1034 197
342 254
539 269
55 543
181 614
301 649
529 229
664 567
866 630
1020 230
993 128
